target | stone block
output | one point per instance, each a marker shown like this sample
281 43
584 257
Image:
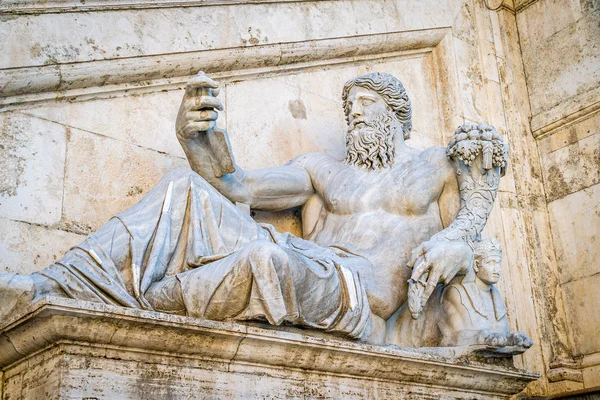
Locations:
146 120
582 299
571 168
564 387
591 377
32 162
105 176
101 351
112 34
563 66
27 248
575 222
543 19
470 80
520 278
570 133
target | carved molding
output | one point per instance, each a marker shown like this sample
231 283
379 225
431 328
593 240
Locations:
169 71
62 6
522 5
54 321
567 120
500 5
564 374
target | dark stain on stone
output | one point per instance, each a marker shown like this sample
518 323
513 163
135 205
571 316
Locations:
557 185
12 163
134 191
36 50
298 109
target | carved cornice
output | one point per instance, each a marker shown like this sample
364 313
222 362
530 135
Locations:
565 121
159 72
522 5
61 6
54 321
502 5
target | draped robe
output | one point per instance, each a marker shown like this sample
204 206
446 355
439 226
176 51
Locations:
186 249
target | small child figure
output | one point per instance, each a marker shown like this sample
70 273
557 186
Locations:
473 312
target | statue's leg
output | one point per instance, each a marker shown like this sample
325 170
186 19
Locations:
267 281
182 223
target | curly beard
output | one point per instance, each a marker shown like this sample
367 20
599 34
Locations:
372 146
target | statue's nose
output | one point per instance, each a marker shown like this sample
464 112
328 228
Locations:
356 110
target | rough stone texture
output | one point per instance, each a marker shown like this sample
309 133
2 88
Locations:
91 195
577 237
582 306
462 65
561 52
145 120
560 43
31 169
27 248
571 168
133 33
107 352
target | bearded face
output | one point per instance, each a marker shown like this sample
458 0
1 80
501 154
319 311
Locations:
370 141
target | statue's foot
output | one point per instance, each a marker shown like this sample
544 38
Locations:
16 293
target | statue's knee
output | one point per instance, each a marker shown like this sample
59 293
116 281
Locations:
265 250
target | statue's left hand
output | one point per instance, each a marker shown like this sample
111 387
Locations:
436 262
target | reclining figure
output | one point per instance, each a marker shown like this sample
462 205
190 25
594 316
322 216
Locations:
385 214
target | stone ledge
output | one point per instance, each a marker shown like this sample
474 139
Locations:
53 323
170 71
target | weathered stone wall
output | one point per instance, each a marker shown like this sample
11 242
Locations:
89 95
560 43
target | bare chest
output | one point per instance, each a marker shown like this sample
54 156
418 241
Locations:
406 189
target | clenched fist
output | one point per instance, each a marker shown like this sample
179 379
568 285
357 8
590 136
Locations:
198 110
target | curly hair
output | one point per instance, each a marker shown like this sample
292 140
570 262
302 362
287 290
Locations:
391 89
486 247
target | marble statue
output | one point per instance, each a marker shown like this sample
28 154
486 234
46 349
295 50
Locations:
468 312
473 311
384 215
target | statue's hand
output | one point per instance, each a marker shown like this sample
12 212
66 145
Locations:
435 262
197 112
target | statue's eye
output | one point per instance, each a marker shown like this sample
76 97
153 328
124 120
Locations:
367 102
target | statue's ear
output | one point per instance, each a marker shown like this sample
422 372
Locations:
476 264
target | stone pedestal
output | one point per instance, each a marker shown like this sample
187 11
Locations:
68 349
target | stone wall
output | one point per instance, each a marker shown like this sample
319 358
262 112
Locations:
560 42
89 94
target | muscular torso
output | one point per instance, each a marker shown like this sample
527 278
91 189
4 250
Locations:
381 215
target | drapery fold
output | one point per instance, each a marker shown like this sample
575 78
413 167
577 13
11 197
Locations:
186 247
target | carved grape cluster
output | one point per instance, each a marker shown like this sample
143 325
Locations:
470 140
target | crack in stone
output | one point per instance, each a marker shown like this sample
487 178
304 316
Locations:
235 354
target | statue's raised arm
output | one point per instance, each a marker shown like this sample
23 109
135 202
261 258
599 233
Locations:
209 153
479 156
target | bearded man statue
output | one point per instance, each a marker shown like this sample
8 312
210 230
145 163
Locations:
384 215
370 141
